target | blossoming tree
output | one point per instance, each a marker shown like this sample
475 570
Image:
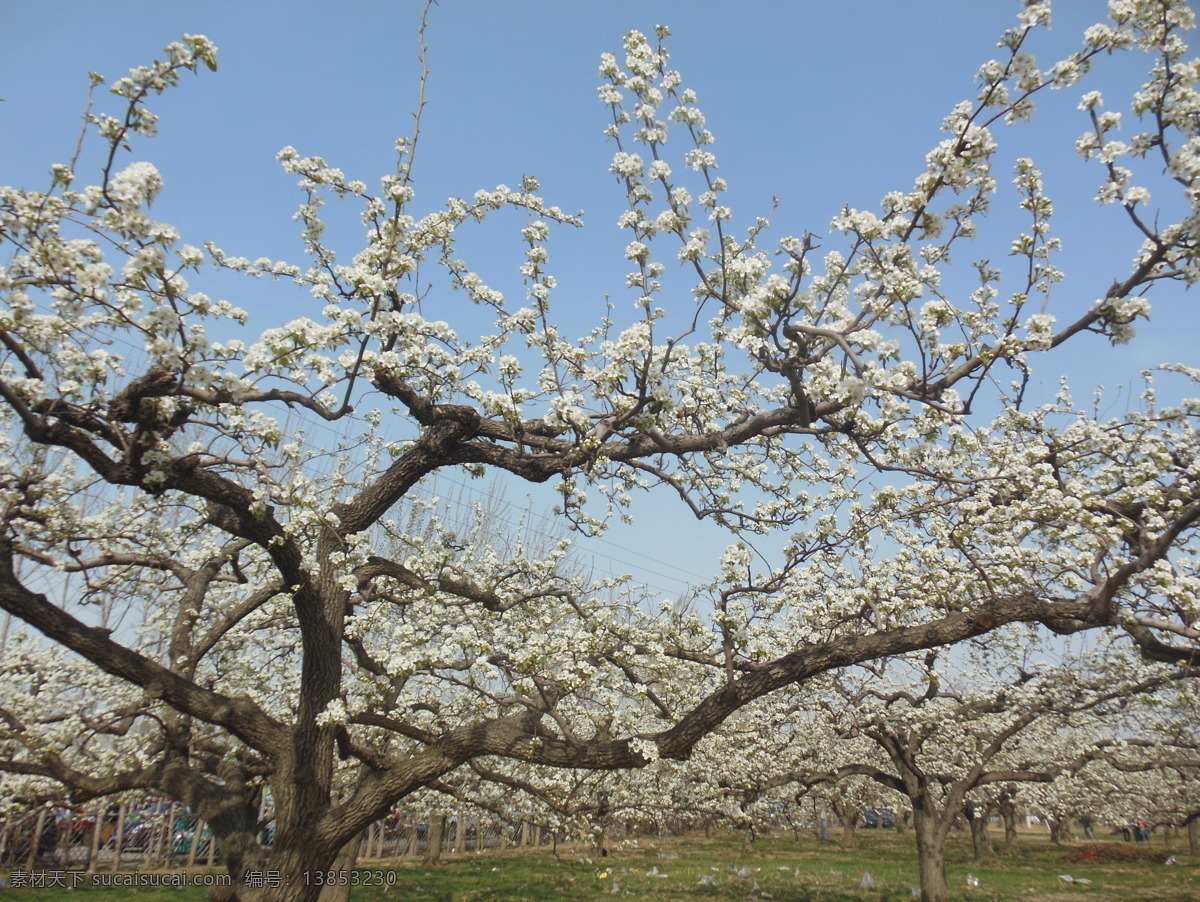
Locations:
248 608
946 735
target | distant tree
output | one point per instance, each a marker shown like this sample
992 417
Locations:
294 632
944 737
1152 771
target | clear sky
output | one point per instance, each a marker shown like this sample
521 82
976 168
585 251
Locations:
818 102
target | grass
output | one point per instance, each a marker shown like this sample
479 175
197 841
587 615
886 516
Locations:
791 869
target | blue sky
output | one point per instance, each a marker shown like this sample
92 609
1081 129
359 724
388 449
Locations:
818 102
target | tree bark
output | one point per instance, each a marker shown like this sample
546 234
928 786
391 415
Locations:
931 857
849 833
1056 830
1008 813
345 862
299 856
848 815
749 837
823 826
433 839
980 839
301 876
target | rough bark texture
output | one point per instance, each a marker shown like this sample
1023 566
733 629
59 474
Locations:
823 827
980 840
1008 813
849 833
847 815
931 857
1057 830
433 841
344 863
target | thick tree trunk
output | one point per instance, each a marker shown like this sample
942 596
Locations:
931 858
850 832
298 867
848 815
1056 830
823 826
343 864
433 839
980 839
290 875
235 831
1008 813
749 837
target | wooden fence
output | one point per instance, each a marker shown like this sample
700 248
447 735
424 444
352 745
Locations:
155 834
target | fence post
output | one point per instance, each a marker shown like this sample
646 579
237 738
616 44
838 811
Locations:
119 840
166 850
94 849
194 848
262 813
62 838
37 840
366 846
154 842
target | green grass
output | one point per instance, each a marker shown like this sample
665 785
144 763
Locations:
790 869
